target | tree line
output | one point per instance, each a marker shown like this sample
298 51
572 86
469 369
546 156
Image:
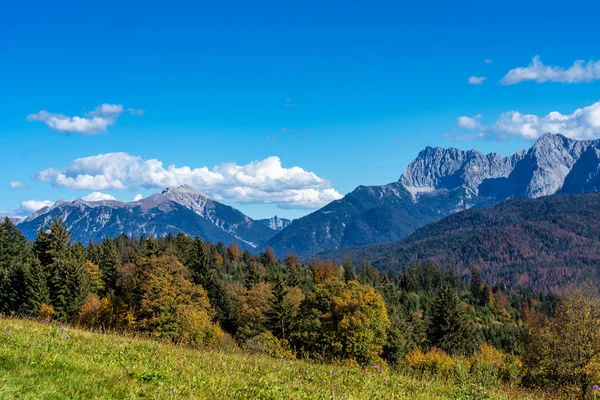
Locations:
188 291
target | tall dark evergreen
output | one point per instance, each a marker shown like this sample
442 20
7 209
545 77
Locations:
199 261
476 283
68 283
203 273
450 328
109 263
14 266
280 316
349 274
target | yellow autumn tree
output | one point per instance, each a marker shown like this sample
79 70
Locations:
171 306
564 349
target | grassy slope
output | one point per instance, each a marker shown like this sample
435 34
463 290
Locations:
38 361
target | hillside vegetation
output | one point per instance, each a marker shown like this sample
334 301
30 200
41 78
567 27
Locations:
47 361
541 243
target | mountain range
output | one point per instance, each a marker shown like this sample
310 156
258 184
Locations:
438 183
542 243
181 209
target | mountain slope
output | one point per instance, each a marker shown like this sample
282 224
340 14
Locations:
538 243
175 210
440 182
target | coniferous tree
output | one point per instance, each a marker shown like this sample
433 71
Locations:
151 248
279 318
199 261
205 275
349 274
476 284
450 328
109 263
14 265
68 284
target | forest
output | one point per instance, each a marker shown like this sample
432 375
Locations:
185 291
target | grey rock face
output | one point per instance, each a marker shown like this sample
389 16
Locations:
440 182
276 223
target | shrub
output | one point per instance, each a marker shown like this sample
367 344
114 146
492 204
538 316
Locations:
46 312
266 343
196 328
434 361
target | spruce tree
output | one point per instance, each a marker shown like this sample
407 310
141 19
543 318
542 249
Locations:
349 274
279 318
109 263
450 328
204 274
476 284
14 258
68 284
199 262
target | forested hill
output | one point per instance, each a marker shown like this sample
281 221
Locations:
538 243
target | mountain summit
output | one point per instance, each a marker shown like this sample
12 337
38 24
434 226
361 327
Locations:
180 209
440 182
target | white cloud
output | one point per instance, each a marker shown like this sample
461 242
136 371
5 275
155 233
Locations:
98 196
18 185
488 61
30 206
259 182
91 123
469 122
476 80
138 197
579 72
583 123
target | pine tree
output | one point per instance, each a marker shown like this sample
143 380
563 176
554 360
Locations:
109 263
349 274
476 284
253 276
36 287
68 284
204 274
199 262
450 328
151 247
14 258
279 318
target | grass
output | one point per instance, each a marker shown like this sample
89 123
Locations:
45 361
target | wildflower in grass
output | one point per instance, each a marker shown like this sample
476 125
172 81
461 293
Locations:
546 393
514 377
37 345
332 373
596 387
8 331
62 329
478 395
67 337
495 362
48 341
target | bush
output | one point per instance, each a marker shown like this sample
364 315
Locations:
434 361
105 313
196 328
46 312
266 343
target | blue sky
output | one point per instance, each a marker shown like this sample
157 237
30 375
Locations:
347 91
